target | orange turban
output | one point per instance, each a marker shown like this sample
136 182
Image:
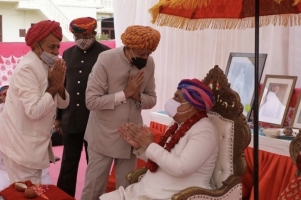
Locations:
83 25
141 37
42 29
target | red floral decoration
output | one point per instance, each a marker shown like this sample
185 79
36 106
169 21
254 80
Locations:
176 135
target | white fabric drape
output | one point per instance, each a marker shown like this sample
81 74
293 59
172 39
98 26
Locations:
191 54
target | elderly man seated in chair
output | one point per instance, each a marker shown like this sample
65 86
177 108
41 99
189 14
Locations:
186 154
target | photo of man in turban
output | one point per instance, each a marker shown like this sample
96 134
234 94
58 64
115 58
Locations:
120 85
72 122
36 89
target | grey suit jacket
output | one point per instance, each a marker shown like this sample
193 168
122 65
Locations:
110 75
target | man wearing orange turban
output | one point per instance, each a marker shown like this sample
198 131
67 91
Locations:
36 89
72 122
120 85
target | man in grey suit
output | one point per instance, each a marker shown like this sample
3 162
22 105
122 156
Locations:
120 85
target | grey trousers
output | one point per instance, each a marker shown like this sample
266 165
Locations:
98 170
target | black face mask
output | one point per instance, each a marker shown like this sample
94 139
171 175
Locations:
139 62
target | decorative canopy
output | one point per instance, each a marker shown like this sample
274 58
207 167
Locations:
224 14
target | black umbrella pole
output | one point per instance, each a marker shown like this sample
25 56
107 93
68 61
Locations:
255 105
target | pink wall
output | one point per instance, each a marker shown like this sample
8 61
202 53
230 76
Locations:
19 49
12 52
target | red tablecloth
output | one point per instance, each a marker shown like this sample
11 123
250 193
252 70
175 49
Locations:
275 173
53 193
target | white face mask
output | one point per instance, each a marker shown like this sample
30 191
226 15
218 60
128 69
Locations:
171 107
48 58
84 44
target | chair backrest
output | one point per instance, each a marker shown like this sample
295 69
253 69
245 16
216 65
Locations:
234 132
295 149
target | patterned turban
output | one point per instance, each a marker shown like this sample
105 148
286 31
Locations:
141 37
42 29
197 94
3 89
83 25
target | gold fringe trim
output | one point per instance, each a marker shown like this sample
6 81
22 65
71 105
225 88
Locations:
295 1
226 23
188 4
155 10
182 4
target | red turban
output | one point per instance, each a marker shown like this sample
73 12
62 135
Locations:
42 29
83 25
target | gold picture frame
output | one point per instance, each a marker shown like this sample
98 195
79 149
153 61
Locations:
296 118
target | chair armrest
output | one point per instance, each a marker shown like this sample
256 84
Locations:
230 184
135 176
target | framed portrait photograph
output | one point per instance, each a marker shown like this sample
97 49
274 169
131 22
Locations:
240 72
296 118
275 97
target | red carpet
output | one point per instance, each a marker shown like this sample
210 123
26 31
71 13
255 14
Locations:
54 170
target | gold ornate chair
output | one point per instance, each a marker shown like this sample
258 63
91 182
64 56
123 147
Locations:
295 149
234 134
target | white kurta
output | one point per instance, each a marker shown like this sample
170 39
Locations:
28 115
190 163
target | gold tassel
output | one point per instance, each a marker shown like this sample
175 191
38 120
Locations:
183 4
155 10
295 2
201 24
188 4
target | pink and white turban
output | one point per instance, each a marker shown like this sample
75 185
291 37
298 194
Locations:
197 94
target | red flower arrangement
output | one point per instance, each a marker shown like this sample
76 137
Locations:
176 135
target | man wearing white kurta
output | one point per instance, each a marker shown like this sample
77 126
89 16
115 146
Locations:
36 90
4 179
186 154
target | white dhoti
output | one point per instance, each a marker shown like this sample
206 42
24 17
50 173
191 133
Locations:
5 181
18 172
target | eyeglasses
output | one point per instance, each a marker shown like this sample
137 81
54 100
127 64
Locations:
77 37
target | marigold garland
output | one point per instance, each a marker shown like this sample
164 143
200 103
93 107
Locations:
176 135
